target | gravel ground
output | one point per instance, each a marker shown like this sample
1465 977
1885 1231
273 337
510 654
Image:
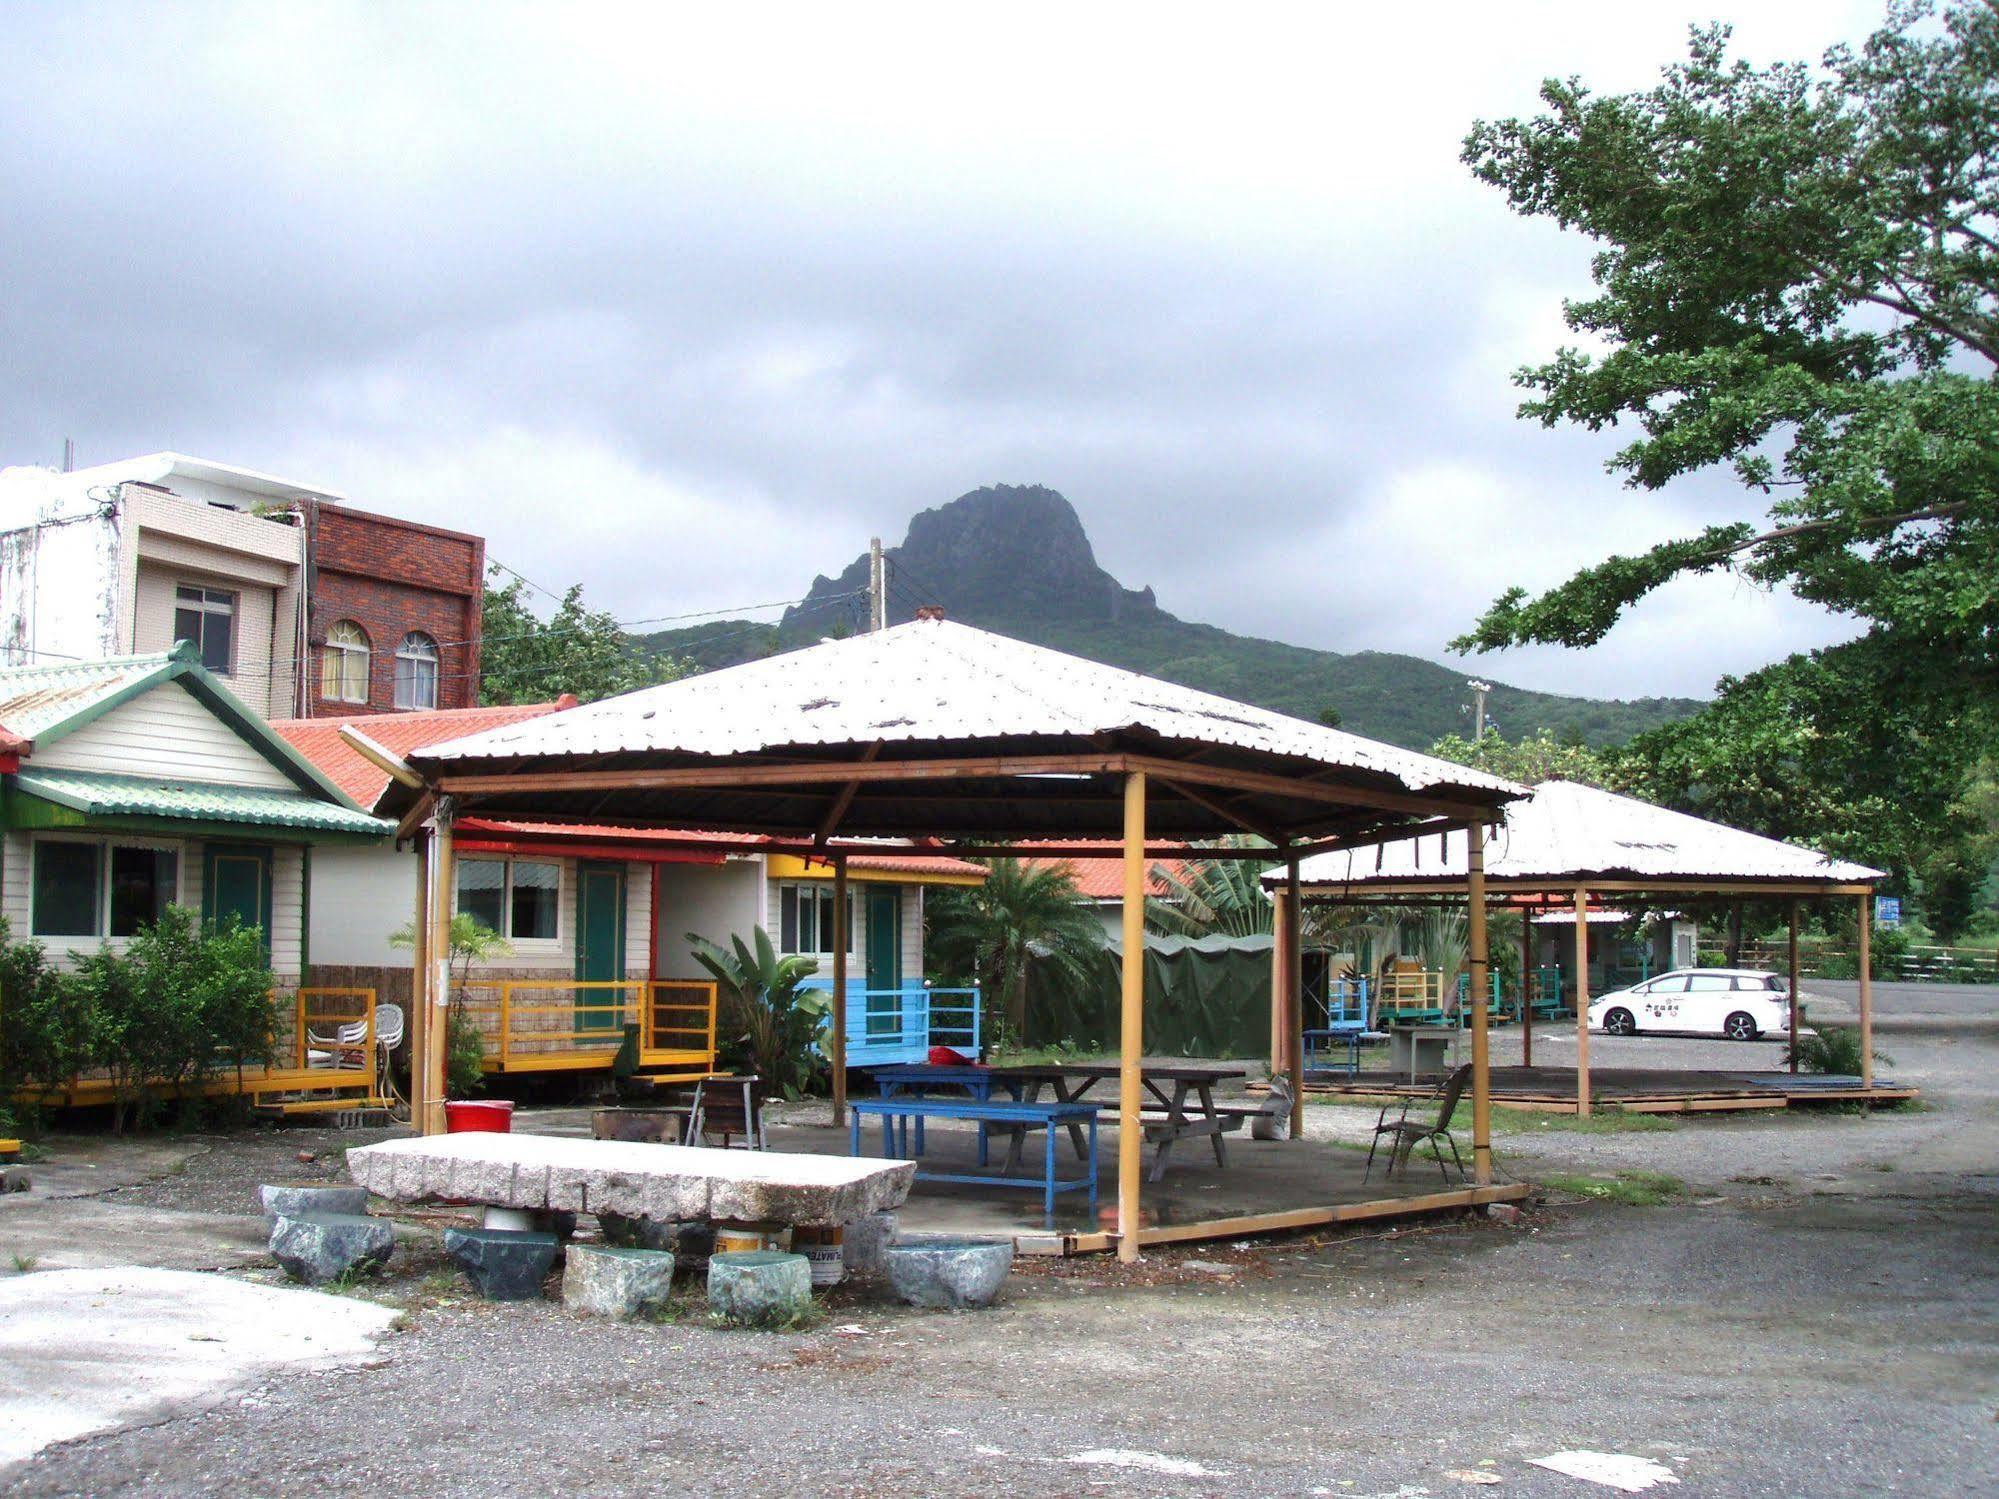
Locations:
1819 1313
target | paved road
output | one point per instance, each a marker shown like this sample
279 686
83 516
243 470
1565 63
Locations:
1820 1313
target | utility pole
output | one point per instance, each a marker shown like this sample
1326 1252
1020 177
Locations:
877 587
1479 690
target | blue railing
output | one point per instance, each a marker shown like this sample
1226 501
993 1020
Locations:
890 1026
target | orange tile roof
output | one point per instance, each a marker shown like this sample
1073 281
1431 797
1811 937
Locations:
1103 879
318 739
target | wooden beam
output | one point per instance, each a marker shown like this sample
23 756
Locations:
437 1038
1349 892
843 799
416 817
1263 783
732 775
1344 1212
1131 1023
837 1052
1377 835
1222 810
1479 962
1582 1001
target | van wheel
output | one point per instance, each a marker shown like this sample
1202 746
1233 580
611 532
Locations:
1740 1026
1620 1022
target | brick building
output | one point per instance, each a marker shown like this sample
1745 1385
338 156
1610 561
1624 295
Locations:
302 604
394 610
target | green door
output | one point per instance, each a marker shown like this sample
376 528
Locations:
884 957
236 881
600 944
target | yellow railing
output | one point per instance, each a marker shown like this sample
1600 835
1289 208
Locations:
1409 990
537 1025
310 1014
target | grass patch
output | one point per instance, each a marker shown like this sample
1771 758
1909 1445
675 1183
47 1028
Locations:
801 1317
1834 1050
1607 1120
25 1264
1638 1189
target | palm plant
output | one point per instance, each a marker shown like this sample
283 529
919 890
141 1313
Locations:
1020 911
1208 898
773 1018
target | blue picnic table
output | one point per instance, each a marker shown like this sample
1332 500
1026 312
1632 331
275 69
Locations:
897 1113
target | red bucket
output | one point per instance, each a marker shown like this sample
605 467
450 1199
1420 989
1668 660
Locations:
479 1116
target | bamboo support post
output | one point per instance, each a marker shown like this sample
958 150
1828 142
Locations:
1294 990
1794 986
1478 959
1131 1025
1866 991
419 1017
1582 1002
844 932
436 1036
1280 977
1526 986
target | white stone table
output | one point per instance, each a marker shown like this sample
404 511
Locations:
637 1179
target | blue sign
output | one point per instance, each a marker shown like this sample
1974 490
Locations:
1887 910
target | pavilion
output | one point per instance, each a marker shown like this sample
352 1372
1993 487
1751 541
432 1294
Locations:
936 729
1569 843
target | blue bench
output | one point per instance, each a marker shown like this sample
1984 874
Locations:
896 1113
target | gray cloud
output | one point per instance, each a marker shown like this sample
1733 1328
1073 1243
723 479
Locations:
685 309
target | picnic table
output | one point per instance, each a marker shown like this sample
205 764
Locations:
1190 1084
897 1113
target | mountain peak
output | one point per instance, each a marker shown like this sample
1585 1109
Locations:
1003 552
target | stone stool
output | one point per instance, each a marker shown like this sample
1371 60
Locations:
621 1283
289 1201
760 1287
503 1264
950 1273
329 1246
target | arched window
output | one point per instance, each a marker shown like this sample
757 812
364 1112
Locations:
343 664
416 671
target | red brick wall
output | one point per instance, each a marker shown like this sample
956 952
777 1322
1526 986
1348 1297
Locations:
390 577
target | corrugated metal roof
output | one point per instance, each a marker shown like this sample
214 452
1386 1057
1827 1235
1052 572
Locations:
933 679
1566 832
318 739
194 801
35 699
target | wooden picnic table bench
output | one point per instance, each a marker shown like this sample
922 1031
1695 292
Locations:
897 1114
1190 1082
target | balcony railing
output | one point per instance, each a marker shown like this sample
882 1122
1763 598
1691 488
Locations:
554 1025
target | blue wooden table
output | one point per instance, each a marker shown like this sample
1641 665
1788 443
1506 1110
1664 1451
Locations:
897 1113
924 1078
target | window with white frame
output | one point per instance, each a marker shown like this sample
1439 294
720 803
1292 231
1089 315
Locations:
805 922
207 617
343 664
416 671
85 888
518 898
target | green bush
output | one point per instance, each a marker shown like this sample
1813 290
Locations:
464 1056
774 1023
182 1001
1834 1050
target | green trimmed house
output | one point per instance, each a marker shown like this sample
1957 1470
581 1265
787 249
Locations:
135 783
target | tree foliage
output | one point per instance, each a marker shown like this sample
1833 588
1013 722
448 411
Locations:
1021 910
1535 758
1798 279
774 1021
524 658
1211 897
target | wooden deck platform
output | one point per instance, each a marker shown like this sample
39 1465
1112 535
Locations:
1637 1090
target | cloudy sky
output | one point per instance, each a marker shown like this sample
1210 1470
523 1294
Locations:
684 306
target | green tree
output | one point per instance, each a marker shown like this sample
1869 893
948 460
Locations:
1535 758
1019 911
1211 897
1798 279
524 658
775 1017
470 942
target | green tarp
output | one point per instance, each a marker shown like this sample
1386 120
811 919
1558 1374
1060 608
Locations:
1204 997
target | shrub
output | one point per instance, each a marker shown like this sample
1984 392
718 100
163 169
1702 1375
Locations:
464 1056
773 1021
1834 1050
43 1038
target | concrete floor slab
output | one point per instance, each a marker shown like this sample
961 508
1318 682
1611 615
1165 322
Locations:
88 1350
83 1233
